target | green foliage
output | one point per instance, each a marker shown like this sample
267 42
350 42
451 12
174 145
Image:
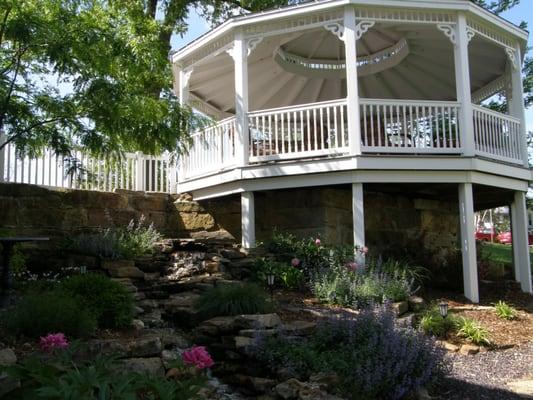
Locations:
65 375
432 323
228 300
40 313
472 331
504 310
135 240
109 302
285 275
372 358
17 261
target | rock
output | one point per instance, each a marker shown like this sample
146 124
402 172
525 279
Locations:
422 394
469 349
7 357
232 254
150 366
152 319
257 321
299 328
148 304
7 384
293 389
524 388
137 324
256 333
145 346
450 347
126 272
242 342
325 380
117 264
216 326
416 303
406 321
257 384
289 389
137 310
400 307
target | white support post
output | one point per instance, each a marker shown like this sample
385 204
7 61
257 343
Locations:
183 90
248 219
462 82
516 254
516 101
240 57
139 171
358 215
352 90
520 241
171 175
468 242
3 157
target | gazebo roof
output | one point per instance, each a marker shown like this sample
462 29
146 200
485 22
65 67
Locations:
397 59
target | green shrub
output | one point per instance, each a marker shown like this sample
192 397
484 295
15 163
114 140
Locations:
504 311
372 357
109 302
40 313
228 300
286 275
472 331
64 375
432 323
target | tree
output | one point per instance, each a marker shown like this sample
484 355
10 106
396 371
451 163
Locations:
112 84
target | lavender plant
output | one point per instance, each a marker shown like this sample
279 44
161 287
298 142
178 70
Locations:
372 357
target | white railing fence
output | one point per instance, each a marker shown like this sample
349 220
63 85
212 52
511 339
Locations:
133 171
211 149
299 131
399 126
497 135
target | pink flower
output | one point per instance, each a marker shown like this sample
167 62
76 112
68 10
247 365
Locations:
318 242
197 356
53 341
295 262
352 266
364 250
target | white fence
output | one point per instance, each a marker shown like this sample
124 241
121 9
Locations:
133 171
398 126
497 135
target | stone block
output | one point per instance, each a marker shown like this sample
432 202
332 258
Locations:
400 307
187 206
416 303
468 349
257 321
7 357
197 221
151 366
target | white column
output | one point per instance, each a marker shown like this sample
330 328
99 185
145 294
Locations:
468 242
516 254
352 90
248 219
139 171
358 214
183 90
3 157
520 241
462 82
516 101
240 55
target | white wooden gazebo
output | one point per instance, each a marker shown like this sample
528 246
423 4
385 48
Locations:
355 92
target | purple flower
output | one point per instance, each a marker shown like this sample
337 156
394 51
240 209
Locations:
295 262
197 356
53 341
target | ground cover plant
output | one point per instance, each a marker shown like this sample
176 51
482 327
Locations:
504 311
372 358
234 299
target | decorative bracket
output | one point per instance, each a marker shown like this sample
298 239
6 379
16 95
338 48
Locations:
335 28
449 31
362 27
252 44
186 77
511 54
231 52
470 33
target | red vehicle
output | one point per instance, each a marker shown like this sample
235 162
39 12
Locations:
486 235
507 238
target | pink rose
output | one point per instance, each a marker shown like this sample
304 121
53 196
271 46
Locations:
197 356
352 266
318 242
53 341
295 262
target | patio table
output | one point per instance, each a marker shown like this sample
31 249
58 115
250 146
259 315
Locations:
8 243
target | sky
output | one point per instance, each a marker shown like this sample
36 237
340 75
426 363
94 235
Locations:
521 12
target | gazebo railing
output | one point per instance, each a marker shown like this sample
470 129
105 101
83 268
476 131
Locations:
406 126
497 135
307 130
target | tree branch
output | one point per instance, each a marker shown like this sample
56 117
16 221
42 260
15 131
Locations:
4 24
29 128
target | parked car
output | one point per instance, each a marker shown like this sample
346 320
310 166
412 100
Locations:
486 235
507 238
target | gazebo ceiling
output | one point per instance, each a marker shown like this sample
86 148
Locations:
394 61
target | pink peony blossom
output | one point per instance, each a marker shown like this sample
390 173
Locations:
352 266
53 341
295 262
318 242
197 356
364 250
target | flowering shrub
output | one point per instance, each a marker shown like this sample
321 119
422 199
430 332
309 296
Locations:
373 358
198 356
53 341
289 276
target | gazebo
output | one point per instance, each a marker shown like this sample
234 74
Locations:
358 92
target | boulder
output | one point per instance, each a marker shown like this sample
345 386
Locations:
7 357
217 326
257 321
400 307
468 349
416 303
126 272
450 347
293 389
145 346
137 324
150 366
